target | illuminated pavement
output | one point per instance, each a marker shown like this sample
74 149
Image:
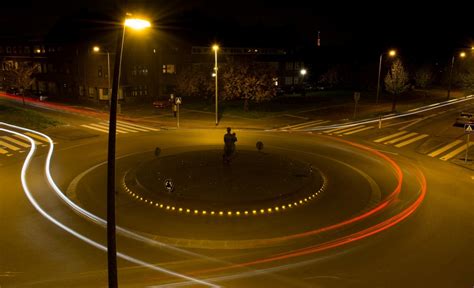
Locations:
430 247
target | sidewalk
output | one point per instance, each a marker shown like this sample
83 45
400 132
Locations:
195 118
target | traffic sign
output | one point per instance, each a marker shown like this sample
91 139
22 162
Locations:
356 96
178 100
469 128
169 185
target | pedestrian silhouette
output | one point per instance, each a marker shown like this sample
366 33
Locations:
229 145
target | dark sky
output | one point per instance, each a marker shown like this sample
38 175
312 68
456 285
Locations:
347 25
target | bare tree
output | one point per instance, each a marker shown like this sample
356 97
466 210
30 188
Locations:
396 81
20 76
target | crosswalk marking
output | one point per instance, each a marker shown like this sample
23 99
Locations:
9 146
401 138
343 129
41 138
118 128
444 148
20 137
411 140
94 128
137 126
358 130
134 129
17 142
390 136
3 151
305 124
107 128
455 152
122 127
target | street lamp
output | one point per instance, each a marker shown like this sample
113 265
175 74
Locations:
96 49
391 53
137 24
303 73
461 55
215 47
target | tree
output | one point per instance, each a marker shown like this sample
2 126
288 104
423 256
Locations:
248 81
466 74
195 81
20 76
423 77
330 78
396 81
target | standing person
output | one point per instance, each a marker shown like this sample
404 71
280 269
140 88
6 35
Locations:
175 109
229 145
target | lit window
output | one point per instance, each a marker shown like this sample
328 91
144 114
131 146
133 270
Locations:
169 69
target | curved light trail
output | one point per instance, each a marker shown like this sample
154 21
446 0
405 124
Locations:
89 241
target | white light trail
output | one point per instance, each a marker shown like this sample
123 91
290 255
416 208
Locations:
89 241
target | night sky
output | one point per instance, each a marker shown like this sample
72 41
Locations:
427 29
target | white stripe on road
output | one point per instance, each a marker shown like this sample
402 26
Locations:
308 123
3 151
358 130
121 128
455 152
37 137
137 126
106 127
9 146
17 142
445 148
93 128
390 136
344 129
19 137
411 140
317 123
401 138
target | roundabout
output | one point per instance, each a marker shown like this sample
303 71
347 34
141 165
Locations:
282 196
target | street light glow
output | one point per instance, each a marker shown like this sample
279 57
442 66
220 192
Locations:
96 49
137 24
215 47
462 54
303 72
392 53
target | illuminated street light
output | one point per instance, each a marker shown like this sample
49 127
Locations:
96 48
391 53
303 72
462 54
215 47
136 24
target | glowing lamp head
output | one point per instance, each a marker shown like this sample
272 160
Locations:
392 53
462 54
96 48
303 72
215 47
137 24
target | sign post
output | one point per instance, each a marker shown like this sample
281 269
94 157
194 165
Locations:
356 100
468 130
178 102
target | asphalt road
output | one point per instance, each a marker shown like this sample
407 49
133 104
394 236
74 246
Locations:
430 248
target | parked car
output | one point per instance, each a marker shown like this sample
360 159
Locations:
464 118
161 104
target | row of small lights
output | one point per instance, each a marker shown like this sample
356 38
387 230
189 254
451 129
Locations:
228 213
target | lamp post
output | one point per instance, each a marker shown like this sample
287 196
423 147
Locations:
215 47
461 55
96 49
391 53
137 24
303 73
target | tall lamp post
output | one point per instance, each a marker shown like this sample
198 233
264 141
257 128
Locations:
96 49
303 73
136 24
215 47
391 53
461 55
